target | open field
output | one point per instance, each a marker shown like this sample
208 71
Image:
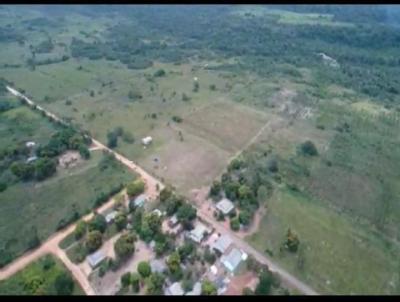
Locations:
26 206
35 279
334 252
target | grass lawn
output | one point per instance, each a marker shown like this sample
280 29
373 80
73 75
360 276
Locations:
26 207
35 279
334 253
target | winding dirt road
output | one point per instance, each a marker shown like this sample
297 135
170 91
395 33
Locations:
152 188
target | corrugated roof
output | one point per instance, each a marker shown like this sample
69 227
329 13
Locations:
232 260
139 201
95 258
225 206
222 243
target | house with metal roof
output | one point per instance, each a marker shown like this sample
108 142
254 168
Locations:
233 259
175 290
222 243
196 291
225 206
111 216
95 259
198 233
158 266
140 200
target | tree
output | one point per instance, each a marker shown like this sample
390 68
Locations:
308 148
208 288
186 250
84 151
159 73
247 291
173 204
98 223
215 189
196 86
135 188
144 269
64 284
264 283
22 171
93 241
80 229
121 221
174 266
272 165
185 214
292 241
235 224
209 256
126 279
212 87
135 281
245 192
245 217
112 140
165 193
125 246
155 284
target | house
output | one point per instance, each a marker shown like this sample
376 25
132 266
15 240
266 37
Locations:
222 243
158 266
111 216
196 291
174 290
233 259
30 144
158 212
225 206
140 200
147 140
95 259
31 159
198 233
173 221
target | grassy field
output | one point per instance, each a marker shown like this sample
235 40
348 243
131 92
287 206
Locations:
334 251
26 206
35 279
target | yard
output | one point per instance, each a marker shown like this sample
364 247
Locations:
30 211
38 278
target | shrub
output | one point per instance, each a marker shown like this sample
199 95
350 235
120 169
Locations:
144 269
235 224
135 188
126 279
308 148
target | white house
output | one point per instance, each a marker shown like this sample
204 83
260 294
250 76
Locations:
233 259
198 233
222 243
147 140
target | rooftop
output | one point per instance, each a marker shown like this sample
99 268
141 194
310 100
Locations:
232 260
175 290
222 243
198 232
225 206
110 216
95 258
140 200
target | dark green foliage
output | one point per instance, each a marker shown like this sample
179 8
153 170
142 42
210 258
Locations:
209 256
93 241
125 246
177 119
155 284
186 214
98 223
126 279
292 241
121 221
144 269
235 224
245 217
159 73
64 284
265 283
44 168
308 148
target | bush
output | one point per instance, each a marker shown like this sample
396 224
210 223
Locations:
308 148
159 73
64 284
98 223
235 224
94 241
177 119
126 279
135 188
144 269
125 246
80 229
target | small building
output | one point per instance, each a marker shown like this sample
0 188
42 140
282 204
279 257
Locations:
95 259
196 291
214 269
225 206
222 243
233 259
111 216
30 144
147 140
175 290
158 266
198 233
221 283
158 212
31 159
173 221
140 200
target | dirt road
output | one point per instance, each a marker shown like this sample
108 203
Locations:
151 187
